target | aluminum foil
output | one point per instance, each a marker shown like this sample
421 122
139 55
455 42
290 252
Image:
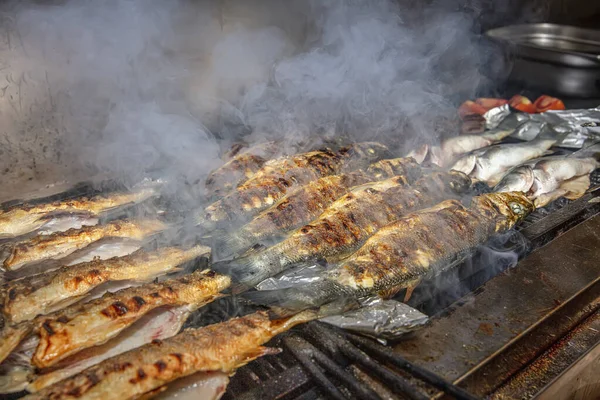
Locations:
572 128
382 319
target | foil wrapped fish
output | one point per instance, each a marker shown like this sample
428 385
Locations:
222 347
24 218
490 163
61 244
239 168
347 224
80 326
309 201
279 176
417 246
26 298
548 178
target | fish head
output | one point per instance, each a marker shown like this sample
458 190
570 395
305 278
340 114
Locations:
466 164
514 207
371 151
458 181
519 179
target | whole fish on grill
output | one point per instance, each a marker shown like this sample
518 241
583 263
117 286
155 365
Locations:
346 224
490 163
60 244
80 326
548 178
220 347
417 246
453 147
26 298
239 168
279 176
309 201
24 218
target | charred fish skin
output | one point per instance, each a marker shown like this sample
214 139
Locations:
219 347
347 223
279 176
25 218
61 244
489 164
417 246
307 202
239 169
42 294
78 327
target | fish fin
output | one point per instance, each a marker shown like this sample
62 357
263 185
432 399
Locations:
409 291
389 293
466 164
419 154
571 189
15 380
256 353
11 336
153 393
283 324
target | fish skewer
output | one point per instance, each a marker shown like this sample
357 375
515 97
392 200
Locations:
490 163
548 178
26 218
309 201
240 168
61 244
418 246
41 294
347 224
279 176
220 347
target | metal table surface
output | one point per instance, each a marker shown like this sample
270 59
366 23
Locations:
491 334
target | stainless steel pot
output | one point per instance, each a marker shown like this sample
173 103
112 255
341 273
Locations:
560 59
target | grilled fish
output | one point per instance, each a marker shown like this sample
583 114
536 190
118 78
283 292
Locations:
45 293
158 324
417 246
81 326
451 148
240 168
279 176
220 347
347 223
309 201
61 244
545 179
202 385
488 164
25 218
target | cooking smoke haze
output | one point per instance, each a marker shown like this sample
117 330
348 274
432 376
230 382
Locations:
121 87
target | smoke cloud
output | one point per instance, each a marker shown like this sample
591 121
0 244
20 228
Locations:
124 87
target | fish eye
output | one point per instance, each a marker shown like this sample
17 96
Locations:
516 207
371 151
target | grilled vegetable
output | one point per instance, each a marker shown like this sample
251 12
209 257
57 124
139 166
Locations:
344 226
417 246
239 169
61 244
279 176
307 202
546 103
490 163
522 103
549 178
25 218
220 347
42 294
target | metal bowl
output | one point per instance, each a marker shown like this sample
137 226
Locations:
557 58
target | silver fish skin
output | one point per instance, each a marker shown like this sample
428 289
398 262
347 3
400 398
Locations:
488 164
417 246
345 225
451 148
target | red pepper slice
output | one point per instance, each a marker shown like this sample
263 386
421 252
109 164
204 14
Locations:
489 103
545 103
522 103
469 108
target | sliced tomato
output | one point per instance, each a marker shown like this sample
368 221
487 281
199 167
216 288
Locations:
522 103
469 108
545 103
488 103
